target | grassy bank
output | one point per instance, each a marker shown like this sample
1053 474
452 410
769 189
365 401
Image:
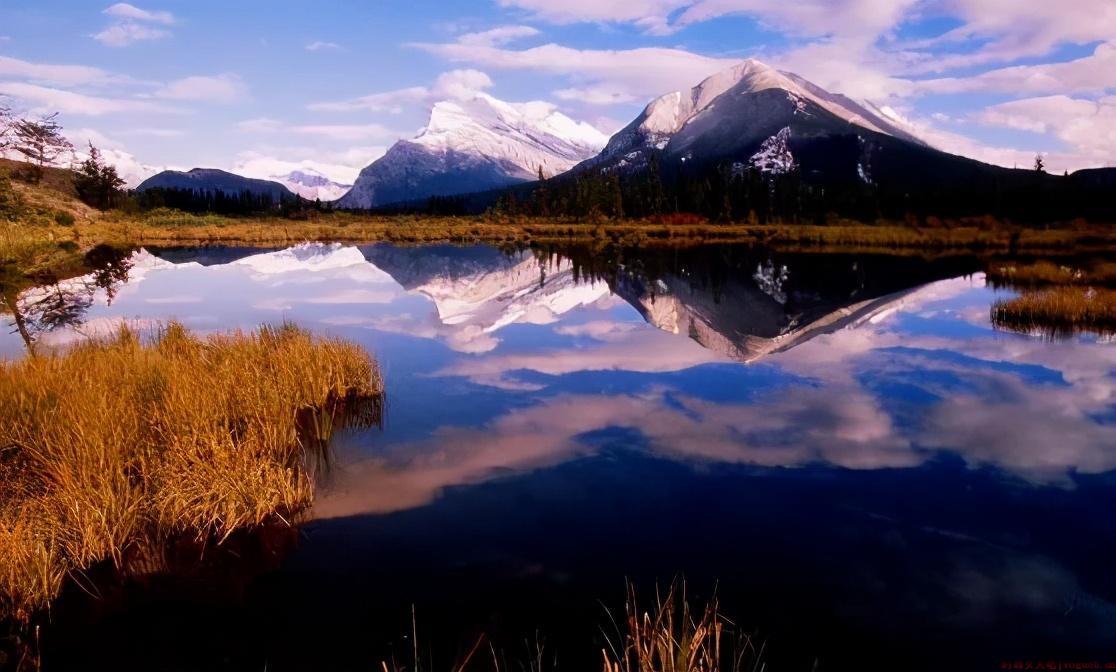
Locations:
120 442
174 228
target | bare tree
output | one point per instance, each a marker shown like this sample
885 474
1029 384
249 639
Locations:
7 124
41 142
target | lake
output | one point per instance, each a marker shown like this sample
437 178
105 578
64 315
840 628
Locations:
868 474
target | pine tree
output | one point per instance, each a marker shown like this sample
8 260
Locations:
1040 164
96 182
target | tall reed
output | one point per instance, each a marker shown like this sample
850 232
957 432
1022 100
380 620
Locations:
673 636
120 441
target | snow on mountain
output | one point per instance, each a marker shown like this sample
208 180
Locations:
312 185
474 144
478 292
774 156
305 257
724 96
309 179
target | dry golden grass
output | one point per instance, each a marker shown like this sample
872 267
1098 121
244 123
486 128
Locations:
674 637
121 441
1058 310
169 228
1044 273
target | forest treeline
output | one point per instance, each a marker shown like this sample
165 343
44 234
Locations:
732 193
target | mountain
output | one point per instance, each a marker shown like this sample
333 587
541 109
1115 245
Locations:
736 111
213 180
312 185
754 142
472 145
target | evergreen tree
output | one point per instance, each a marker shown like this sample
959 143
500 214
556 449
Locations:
1040 164
96 182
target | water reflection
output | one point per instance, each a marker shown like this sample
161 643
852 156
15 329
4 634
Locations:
62 303
844 436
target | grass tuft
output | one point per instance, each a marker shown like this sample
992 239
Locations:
1058 311
124 440
672 636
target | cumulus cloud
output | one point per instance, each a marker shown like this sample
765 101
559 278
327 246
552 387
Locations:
319 45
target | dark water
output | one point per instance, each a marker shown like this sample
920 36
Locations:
870 475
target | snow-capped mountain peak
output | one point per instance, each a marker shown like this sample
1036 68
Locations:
472 144
716 97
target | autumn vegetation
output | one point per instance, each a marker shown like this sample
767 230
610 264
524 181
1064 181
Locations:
116 444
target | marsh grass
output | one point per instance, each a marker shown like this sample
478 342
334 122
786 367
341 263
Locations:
674 636
126 440
1045 273
1057 311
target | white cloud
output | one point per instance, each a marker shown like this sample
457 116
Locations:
1088 126
123 34
457 84
53 74
354 132
595 95
498 35
640 73
1090 74
650 14
319 45
155 132
132 25
1005 30
226 88
260 125
123 10
348 132
48 99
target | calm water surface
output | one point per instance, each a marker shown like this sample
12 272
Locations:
871 475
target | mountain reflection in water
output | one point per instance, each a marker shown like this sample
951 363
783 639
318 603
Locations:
876 477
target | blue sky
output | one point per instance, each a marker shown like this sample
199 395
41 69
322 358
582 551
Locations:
262 86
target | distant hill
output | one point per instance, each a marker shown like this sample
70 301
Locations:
211 180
